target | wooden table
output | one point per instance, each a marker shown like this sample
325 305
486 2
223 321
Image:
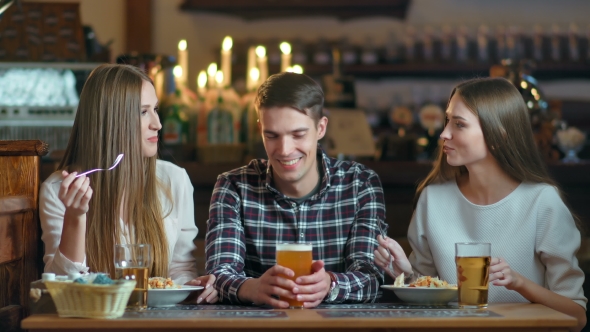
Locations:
379 317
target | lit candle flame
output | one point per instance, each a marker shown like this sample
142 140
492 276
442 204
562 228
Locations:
202 79
212 69
182 45
219 77
254 74
260 51
285 48
227 43
177 71
297 69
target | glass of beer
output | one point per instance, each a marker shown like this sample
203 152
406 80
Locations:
298 258
132 262
473 273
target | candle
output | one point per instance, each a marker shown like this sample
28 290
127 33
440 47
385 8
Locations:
253 76
226 60
211 71
286 56
183 61
219 78
262 63
202 83
297 69
251 84
177 71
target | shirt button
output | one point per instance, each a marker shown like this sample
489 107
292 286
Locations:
301 235
294 204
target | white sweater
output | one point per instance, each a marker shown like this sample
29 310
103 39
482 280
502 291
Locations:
179 225
531 229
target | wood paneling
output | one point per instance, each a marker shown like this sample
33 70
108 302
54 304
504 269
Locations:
19 227
10 317
138 26
23 148
11 241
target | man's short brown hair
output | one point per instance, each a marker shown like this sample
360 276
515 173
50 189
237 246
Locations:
297 91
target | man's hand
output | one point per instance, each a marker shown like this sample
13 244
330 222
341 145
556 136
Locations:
312 289
272 282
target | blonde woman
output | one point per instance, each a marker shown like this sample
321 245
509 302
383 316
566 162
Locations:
142 200
489 184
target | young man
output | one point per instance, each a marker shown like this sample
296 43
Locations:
298 195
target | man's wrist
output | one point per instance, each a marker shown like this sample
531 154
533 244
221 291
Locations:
243 293
329 282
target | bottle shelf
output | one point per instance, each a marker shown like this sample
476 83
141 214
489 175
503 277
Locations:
431 70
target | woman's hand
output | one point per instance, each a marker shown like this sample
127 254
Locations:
75 193
502 275
400 261
209 294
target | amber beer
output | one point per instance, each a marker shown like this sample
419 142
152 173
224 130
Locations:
138 298
473 273
132 262
297 257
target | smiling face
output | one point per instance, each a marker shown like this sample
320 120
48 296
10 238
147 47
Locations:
464 143
290 140
150 121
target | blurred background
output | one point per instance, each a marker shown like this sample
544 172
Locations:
386 67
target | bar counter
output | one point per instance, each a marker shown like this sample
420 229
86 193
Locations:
365 317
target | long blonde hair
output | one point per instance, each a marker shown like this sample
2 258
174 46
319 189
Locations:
108 123
506 128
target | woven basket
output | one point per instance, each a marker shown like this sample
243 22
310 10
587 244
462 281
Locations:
90 300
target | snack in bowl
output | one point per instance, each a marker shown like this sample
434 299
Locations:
162 283
425 290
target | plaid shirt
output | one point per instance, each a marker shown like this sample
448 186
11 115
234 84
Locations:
248 217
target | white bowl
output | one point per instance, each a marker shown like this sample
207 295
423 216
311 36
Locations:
424 295
169 297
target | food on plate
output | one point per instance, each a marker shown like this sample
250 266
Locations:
423 282
162 283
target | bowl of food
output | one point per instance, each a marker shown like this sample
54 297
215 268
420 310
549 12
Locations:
426 290
163 292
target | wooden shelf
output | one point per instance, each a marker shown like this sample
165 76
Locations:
429 70
261 9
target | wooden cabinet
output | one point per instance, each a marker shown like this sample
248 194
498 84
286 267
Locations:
20 236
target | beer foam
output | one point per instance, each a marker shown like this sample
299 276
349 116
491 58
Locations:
294 247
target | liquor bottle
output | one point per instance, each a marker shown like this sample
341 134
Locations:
349 54
321 54
338 89
299 52
410 44
175 129
500 42
555 43
369 55
573 43
446 44
220 124
428 44
538 43
462 38
392 54
483 55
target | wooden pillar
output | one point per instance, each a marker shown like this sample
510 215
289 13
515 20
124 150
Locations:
138 26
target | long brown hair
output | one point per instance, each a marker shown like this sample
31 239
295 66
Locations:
506 128
108 123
